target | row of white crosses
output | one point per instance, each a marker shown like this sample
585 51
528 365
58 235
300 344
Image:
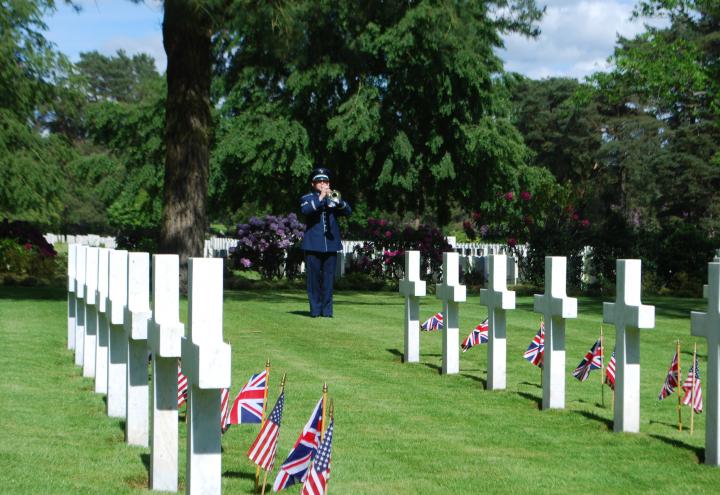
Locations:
627 313
112 328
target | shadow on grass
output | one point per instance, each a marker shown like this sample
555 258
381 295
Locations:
483 381
17 292
536 385
396 352
434 367
596 417
300 313
698 452
530 397
241 475
121 424
145 459
672 426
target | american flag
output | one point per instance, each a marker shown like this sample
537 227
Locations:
182 387
224 409
435 322
671 380
316 482
295 468
610 372
536 351
248 405
262 451
479 335
690 396
591 361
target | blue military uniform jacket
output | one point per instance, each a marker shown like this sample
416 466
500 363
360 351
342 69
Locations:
322 232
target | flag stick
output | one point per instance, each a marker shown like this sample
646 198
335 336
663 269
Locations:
602 368
282 389
264 482
262 419
692 391
679 385
332 416
324 410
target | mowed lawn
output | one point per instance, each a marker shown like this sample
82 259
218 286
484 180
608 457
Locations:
400 428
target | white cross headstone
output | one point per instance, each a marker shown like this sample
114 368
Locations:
628 315
206 364
101 342
707 325
556 307
164 340
135 320
413 289
450 292
72 300
497 299
117 342
91 281
80 263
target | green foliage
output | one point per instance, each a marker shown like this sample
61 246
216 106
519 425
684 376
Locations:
398 95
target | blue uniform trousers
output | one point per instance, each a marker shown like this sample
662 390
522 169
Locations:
320 273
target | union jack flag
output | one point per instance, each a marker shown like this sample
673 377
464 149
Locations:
224 409
610 372
316 482
295 468
479 335
435 322
182 387
262 451
693 395
536 351
591 361
248 405
671 380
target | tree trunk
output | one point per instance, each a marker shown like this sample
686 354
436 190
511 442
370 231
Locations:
186 37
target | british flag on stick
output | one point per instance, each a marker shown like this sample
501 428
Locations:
295 468
317 480
479 335
671 380
591 361
248 405
435 322
262 451
536 351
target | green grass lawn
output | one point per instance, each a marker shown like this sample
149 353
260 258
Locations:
400 428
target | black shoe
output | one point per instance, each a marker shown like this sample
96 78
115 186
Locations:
327 316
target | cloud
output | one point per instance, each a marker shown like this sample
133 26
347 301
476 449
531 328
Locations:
576 38
152 44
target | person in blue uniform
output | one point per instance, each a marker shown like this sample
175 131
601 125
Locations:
321 241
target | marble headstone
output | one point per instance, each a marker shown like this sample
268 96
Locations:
498 300
413 289
555 307
628 315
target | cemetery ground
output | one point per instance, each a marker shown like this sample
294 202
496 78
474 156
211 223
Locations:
400 428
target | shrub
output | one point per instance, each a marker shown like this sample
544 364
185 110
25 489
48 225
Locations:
382 255
24 252
270 246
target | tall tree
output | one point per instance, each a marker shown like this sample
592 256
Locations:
400 98
187 37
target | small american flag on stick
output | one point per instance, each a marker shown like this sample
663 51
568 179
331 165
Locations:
262 451
316 482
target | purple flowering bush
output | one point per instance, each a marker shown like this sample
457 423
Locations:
382 255
24 252
269 245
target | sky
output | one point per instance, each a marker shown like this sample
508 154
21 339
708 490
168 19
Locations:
577 35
